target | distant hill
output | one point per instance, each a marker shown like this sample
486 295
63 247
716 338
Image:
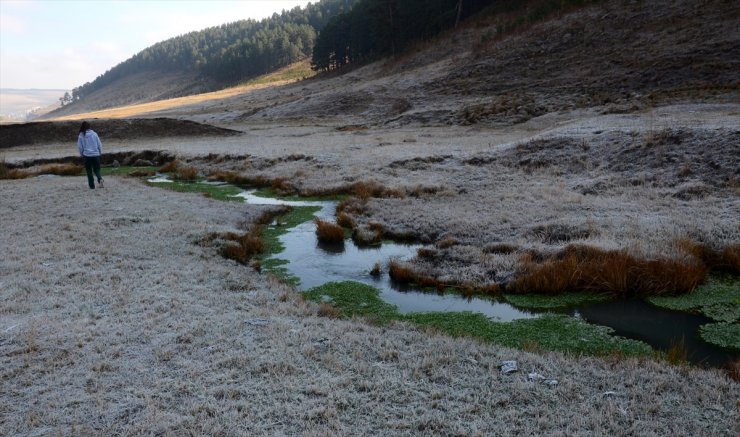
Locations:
25 104
208 59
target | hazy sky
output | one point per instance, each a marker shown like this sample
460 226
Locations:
62 44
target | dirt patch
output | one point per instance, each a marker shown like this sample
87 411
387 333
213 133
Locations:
12 135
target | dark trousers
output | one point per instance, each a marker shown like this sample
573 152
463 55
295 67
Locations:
92 164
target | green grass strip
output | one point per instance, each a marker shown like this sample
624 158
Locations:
550 332
562 301
218 192
718 299
126 170
724 335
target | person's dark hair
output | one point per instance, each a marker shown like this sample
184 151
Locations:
85 127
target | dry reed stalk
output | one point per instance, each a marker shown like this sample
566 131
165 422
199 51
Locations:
583 268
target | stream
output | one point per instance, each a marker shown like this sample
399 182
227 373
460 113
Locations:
315 264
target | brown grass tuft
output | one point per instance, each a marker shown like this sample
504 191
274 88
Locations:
733 369
583 268
187 174
169 167
328 310
142 173
425 252
731 258
677 352
447 242
61 169
282 186
375 271
364 190
244 246
328 232
725 260
344 220
400 273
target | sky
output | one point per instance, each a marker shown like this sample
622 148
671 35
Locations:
61 44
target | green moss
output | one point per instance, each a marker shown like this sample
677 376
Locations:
354 299
218 192
724 335
565 300
125 170
550 332
718 299
275 266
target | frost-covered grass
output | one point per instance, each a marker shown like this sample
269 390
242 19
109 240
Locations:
114 320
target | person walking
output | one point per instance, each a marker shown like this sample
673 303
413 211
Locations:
88 144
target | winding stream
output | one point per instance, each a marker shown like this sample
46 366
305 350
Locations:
314 264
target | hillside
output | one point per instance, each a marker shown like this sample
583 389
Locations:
615 56
208 59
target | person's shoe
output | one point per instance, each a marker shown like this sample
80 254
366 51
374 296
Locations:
100 183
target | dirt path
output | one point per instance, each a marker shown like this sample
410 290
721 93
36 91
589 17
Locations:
114 321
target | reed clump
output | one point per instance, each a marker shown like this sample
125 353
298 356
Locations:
56 169
185 174
589 269
243 247
364 190
725 260
328 232
401 273
345 220
169 167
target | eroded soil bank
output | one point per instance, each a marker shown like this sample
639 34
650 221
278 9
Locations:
100 333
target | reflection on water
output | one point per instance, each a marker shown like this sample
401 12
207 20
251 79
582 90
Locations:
658 327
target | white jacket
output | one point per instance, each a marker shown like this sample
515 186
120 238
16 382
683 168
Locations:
89 144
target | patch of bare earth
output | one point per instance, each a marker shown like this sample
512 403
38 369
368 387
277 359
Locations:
114 321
